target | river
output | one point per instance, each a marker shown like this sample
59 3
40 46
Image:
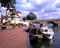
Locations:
46 43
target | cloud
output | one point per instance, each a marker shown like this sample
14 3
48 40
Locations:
27 6
25 13
32 5
49 10
58 5
21 1
44 9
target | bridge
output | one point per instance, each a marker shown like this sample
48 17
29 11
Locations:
55 22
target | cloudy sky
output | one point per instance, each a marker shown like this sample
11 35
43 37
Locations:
44 9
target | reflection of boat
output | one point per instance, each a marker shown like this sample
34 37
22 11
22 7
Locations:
47 32
34 35
33 39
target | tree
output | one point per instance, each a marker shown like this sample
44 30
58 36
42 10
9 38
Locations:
31 16
8 3
24 18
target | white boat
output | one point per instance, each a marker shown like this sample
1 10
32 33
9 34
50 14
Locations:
47 32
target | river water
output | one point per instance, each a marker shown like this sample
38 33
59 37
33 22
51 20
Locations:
46 43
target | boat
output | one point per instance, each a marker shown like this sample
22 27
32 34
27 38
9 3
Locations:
47 32
36 34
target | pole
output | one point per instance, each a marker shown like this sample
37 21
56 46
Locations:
0 12
0 15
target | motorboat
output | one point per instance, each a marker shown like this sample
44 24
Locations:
47 32
37 34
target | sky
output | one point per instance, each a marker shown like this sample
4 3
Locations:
43 9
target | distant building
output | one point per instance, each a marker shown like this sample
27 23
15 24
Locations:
13 15
19 14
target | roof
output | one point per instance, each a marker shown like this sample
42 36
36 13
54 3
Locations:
19 12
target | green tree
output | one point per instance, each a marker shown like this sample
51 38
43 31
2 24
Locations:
24 18
31 16
8 3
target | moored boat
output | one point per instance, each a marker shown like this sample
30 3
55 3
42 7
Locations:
47 32
36 34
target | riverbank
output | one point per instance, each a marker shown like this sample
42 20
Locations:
13 38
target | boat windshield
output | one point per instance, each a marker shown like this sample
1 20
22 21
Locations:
45 30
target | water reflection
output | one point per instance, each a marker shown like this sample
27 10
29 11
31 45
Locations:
44 43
